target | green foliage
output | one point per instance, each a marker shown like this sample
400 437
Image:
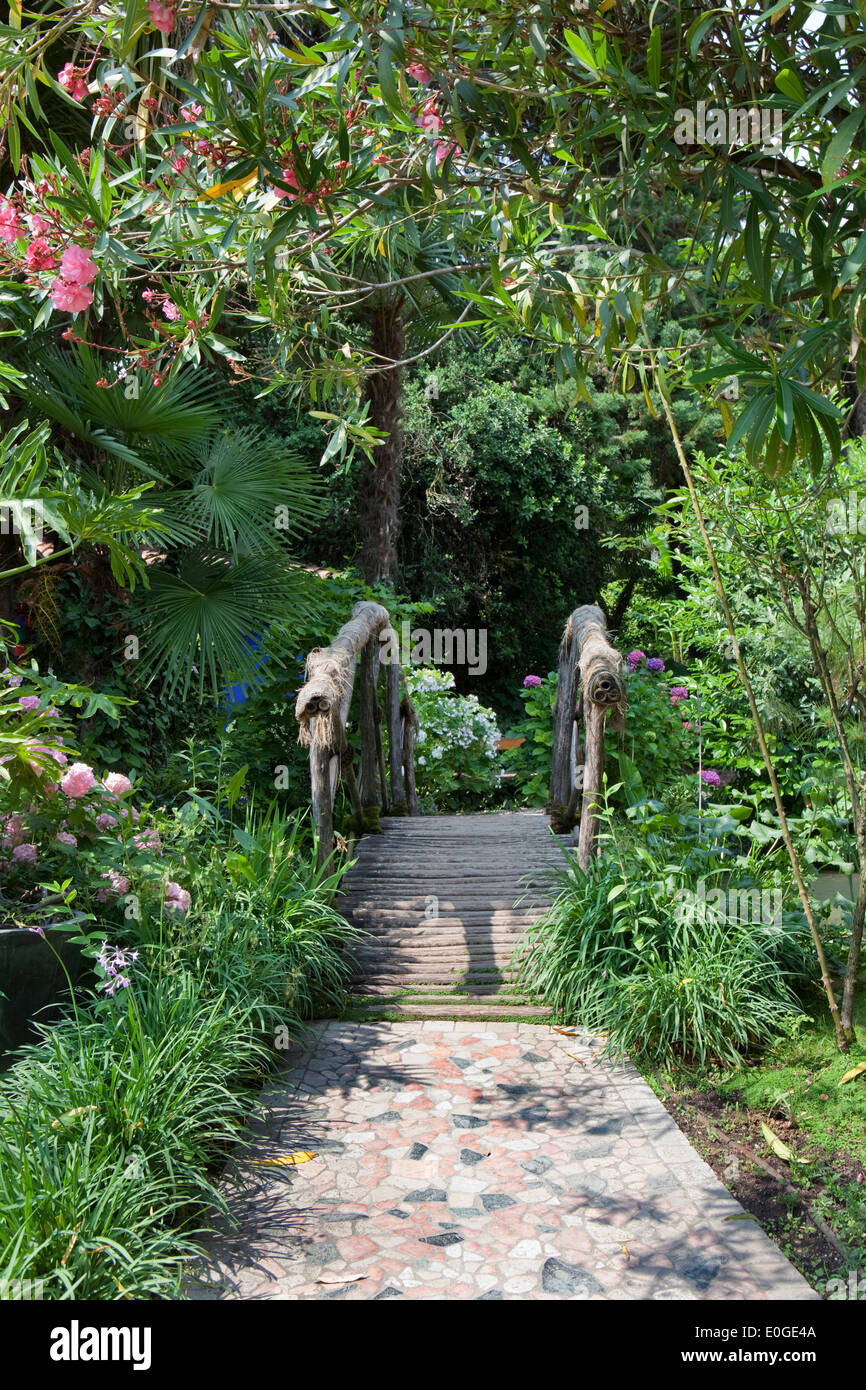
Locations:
639 949
530 763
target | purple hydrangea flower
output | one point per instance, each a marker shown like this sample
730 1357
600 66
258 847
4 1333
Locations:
678 692
635 658
655 664
711 778
532 680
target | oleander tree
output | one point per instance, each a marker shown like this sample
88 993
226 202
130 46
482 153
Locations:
236 148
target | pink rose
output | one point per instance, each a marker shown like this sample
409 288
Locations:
78 781
25 854
116 783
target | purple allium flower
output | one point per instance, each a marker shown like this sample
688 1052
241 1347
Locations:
678 692
635 658
655 664
532 680
711 778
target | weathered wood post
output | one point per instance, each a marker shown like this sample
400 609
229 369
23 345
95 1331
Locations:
588 661
395 738
322 707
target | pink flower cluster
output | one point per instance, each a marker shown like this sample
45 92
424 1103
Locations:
11 228
531 680
163 16
72 80
78 781
71 290
177 899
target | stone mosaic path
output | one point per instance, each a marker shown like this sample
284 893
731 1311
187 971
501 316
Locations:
467 1160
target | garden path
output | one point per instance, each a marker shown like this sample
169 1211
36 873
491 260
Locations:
477 1160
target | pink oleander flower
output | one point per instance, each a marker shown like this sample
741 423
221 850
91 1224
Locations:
162 16
72 81
116 783
63 837
711 778
191 113
678 693
10 225
71 299
635 659
428 117
443 148
78 781
25 854
287 175
170 311
419 73
76 266
177 899
28 702
39 255
531 680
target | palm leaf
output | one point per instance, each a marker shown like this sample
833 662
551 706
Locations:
251 494
200 621
172 420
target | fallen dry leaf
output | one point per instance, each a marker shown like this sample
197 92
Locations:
576 1058
339 1278
625 1251
284 1161
566 1032
854 1072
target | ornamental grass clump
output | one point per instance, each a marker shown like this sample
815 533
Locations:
634 950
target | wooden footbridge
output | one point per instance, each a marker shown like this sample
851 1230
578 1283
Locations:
444 900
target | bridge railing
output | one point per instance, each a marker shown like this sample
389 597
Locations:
367 644
589 690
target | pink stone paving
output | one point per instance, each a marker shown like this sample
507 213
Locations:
477 1161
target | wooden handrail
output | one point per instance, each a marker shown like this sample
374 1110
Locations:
322 710
590 666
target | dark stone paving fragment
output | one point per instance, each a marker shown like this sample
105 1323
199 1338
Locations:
559 1277
492 1295
417 1151
388 1292
471 1156
443 1238
495 1201
467 1122
537 1165
427 1194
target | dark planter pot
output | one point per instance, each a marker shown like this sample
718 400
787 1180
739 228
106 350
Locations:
32 980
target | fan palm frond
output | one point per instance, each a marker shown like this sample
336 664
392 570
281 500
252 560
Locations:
251 494
172 420
201 622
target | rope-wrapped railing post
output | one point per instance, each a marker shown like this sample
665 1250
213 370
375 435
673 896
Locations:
322 711
586 661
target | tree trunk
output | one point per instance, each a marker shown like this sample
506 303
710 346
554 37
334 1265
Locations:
379 485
